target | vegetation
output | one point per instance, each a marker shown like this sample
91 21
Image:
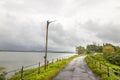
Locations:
105 65
80 49
2 75
103 68
100 64
91 48
1 68
112 54
108 50
52 70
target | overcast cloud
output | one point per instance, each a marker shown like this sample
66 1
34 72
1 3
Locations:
79 22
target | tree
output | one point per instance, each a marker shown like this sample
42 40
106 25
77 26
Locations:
80 49
93 48
108 50
112 53
98 49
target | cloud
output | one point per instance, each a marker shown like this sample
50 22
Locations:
27 35
110 33
30 35
36 7
106 32
23 23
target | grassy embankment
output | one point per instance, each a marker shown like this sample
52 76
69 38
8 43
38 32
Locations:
103 68
2 76
52 70
1 68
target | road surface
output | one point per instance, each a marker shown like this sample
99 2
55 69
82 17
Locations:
77 69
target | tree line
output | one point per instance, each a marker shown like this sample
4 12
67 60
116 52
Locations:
89 49
110 51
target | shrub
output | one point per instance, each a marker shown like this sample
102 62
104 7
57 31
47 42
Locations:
108 50
110 54
2 76
94 62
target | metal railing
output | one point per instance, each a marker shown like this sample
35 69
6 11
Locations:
22 71
103 66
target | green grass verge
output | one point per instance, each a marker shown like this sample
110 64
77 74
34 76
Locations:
1 68
2 74
98 65
52 70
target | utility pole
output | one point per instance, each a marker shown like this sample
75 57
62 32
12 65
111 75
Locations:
45 57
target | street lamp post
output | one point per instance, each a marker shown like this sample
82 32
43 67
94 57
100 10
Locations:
45 57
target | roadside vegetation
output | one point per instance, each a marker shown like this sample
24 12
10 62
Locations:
106 64
52 70
103 68
1 68
91 48
2 74
110 52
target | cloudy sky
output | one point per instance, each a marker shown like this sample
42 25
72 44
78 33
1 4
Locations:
79 22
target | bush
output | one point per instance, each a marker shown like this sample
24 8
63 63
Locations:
94 62
111 55
108 50
2 76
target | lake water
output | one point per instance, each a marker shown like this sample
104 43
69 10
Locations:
14 60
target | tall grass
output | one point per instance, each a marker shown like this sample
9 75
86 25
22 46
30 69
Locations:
100 66
1 68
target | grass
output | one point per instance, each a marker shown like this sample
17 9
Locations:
52 70
1 68
100 66
2 74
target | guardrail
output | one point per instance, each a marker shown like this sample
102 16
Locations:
104 66
23 69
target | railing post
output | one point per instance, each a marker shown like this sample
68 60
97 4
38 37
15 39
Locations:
47 63
22 73
108 69
100 66
52 60
94 62
39 68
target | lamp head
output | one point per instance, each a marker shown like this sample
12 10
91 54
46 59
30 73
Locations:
50 21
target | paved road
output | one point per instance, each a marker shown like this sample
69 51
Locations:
77 69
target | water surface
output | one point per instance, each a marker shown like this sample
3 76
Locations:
14 60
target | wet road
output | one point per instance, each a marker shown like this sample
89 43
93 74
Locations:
77 69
